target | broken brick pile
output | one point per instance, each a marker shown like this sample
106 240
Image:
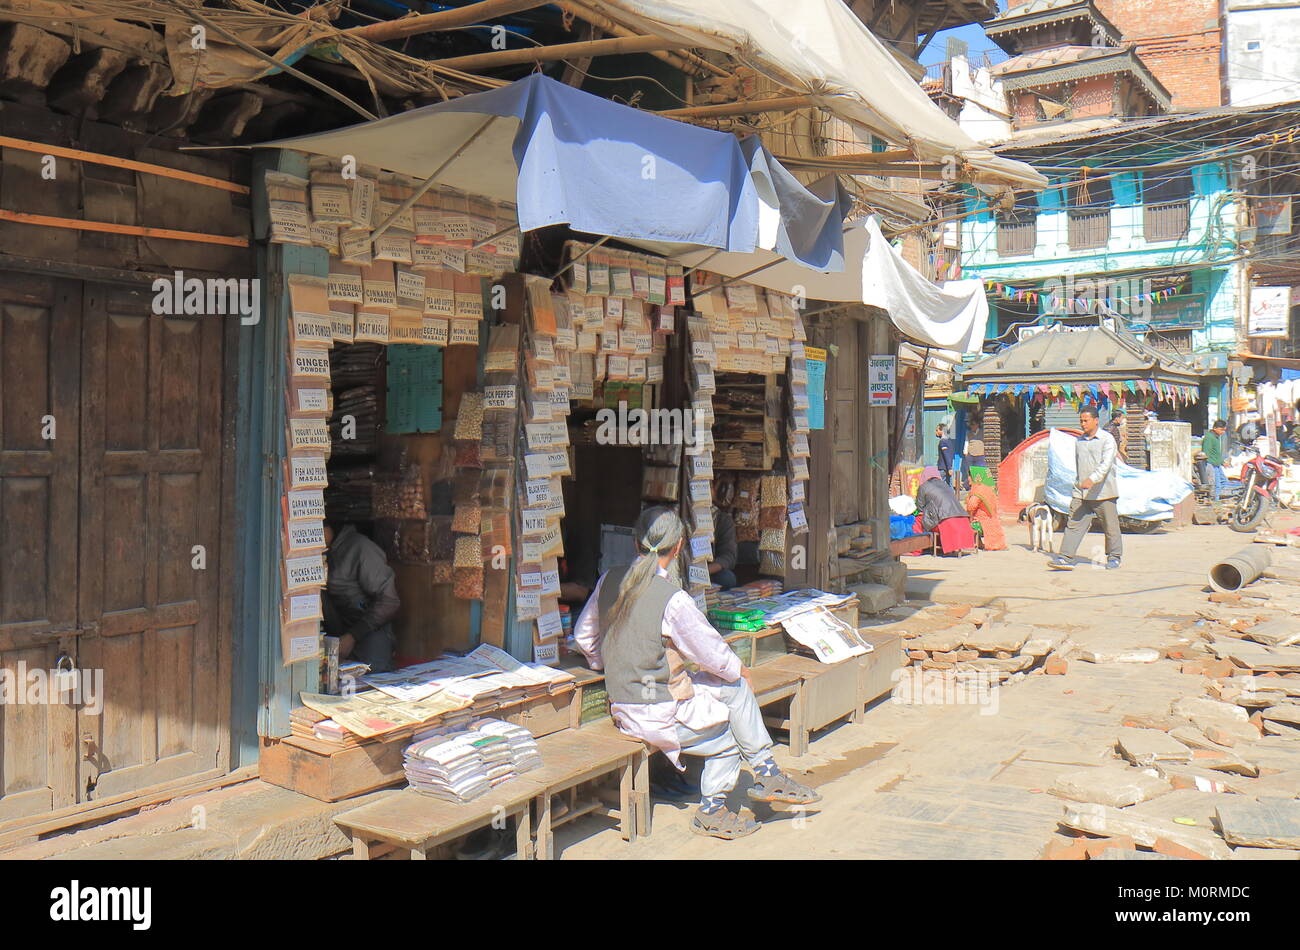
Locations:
968 640
1221 770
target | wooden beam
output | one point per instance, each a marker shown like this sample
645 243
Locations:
160 170
267 58
99 31
575 71
108 227
445 20
616 46
778 104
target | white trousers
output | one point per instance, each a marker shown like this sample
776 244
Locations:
743 734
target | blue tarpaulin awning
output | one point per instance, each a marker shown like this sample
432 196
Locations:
568 157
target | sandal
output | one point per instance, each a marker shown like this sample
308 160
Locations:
781 788
723 823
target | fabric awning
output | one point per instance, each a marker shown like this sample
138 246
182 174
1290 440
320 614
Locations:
822 49
950 316
568 157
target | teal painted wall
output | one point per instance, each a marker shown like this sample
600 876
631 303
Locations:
1210 238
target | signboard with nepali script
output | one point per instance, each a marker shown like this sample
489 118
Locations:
881 387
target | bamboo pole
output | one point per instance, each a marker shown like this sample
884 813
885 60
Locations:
543 54
267 58
723 109
429 182
445 20
856 158
683 60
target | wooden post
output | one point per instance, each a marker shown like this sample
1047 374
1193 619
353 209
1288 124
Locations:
683 61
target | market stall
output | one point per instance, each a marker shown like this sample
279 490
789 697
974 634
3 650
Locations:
1042 381
493 413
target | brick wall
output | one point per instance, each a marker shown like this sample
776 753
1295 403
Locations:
1093 96
1179 41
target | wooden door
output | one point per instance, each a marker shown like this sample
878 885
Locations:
39 359
150 540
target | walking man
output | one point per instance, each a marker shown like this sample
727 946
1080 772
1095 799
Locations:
1095 492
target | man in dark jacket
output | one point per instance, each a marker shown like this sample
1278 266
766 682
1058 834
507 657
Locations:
360 598
947 452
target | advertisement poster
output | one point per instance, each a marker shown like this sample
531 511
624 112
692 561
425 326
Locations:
1269 311
816 360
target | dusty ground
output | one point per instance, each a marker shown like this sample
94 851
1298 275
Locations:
969 780
933 780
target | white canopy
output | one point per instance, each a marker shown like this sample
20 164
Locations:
823 49
951 316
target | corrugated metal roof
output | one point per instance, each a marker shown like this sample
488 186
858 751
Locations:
1077 130
1078 356
1056 56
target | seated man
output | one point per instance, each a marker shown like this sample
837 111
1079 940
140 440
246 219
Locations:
639 626
360 598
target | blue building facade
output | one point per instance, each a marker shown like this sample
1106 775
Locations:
1144 238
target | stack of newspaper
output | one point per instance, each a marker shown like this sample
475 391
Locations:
524 753
449 767
458 766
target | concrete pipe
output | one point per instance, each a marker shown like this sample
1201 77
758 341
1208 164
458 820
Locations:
1235 572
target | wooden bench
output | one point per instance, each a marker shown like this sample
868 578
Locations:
421 825
773 683
577 756
410 821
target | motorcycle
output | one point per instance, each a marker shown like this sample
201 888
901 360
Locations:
1259 483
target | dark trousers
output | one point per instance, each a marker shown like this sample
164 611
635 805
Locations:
376 649
1081 514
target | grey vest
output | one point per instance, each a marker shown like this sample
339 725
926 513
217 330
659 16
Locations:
636 667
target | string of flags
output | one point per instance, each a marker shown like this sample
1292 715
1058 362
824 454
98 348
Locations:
1167 392
1075 304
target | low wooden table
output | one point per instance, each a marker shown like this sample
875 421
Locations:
575 756
420 824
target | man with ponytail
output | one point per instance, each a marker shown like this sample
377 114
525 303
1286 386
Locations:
641 628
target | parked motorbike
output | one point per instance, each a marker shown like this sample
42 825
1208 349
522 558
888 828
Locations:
1259 483
1203 485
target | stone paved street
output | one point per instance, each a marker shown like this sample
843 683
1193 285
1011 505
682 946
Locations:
972 781
930 780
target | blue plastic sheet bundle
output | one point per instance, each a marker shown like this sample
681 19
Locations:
1143 496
